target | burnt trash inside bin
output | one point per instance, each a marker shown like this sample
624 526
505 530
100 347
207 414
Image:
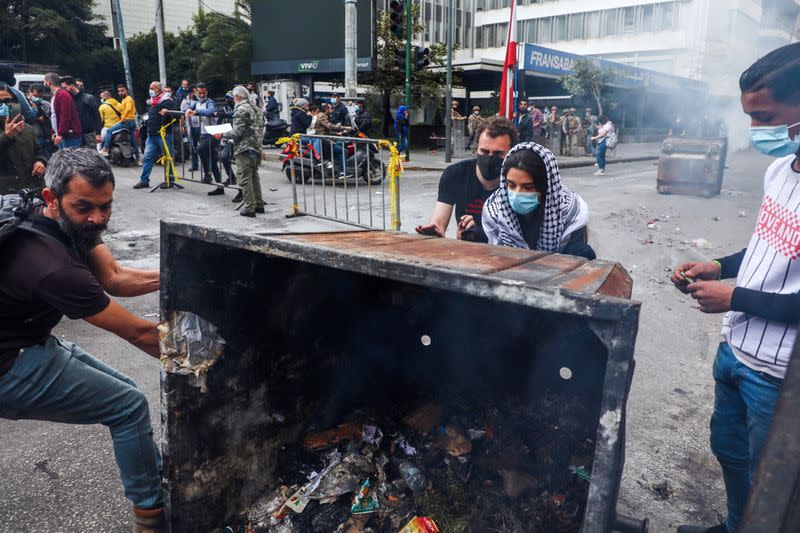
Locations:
692 165
369 378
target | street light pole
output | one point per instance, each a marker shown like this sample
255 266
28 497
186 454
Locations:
350 48
162 61
448 129
123 45
409 31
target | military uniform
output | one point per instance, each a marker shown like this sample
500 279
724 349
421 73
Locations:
573 126
247 152
554 132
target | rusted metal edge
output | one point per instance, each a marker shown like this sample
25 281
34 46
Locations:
547 298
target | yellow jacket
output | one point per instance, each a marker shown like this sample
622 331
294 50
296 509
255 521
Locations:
127 108
110 113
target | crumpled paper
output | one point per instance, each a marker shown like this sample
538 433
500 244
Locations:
189 345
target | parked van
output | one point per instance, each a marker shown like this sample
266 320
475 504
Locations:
25 80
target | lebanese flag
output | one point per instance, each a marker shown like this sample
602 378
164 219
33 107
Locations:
507 84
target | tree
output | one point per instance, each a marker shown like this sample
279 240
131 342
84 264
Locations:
589 79
53 32
387 80
226 46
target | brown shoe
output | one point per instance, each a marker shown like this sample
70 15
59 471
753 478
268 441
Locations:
149 521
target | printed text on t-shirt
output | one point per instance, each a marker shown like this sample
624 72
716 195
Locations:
780 227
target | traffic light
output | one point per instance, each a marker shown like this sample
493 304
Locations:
397 16
420 58
400 57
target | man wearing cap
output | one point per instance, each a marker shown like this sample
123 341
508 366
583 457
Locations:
572 126
554 130
247 150
473 123
589 123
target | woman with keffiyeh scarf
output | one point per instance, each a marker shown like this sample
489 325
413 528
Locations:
531 209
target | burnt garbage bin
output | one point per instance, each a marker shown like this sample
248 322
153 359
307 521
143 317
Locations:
530 354
692 166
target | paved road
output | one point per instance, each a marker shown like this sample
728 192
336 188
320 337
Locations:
59 478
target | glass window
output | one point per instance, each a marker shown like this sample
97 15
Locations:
479 37
502 33
560 28
648 16
629 20
667 16
546 30
532 34
594 21
488 35
612 28
576 26
468 29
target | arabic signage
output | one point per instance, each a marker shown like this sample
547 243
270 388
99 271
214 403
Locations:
557 63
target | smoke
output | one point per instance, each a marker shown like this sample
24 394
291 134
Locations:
731 45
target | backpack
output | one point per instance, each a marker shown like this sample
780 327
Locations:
612 140
15 210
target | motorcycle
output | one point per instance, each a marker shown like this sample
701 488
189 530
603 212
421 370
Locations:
309 163
274 130
120 152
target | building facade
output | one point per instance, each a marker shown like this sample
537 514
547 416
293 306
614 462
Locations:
707 40
139 16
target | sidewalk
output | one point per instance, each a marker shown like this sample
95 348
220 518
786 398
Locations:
423 160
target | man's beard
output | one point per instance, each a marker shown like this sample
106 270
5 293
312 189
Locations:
84 236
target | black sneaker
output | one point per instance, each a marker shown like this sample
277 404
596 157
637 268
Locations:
216 192
206 179
238 198
721 528
260 210
142 185
248 214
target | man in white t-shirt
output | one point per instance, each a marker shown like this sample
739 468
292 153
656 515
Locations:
763 309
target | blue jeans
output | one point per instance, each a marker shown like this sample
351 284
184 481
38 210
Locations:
153 149
402 141
70 143
744 402
131 127
58 382
601 155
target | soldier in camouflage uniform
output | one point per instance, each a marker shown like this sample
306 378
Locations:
246 150
572 125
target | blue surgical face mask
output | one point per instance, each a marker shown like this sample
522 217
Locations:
523 202
152 93
4 110
774 140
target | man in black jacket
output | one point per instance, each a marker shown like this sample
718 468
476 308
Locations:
340 115
301 120
88 113
363 118
525 123
272 108
160 105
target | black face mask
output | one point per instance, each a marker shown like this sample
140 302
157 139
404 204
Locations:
490 166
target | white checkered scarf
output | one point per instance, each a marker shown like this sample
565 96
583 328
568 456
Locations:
561 207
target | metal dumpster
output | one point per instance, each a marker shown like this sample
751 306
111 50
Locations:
692 166
322 328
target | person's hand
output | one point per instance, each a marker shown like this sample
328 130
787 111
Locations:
38 169
162 112
706 271
56 139
218 136
14 126
713 296
430 229
465 222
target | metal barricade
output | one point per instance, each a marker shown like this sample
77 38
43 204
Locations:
343 179
207 152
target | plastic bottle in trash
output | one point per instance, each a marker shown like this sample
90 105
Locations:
412 475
